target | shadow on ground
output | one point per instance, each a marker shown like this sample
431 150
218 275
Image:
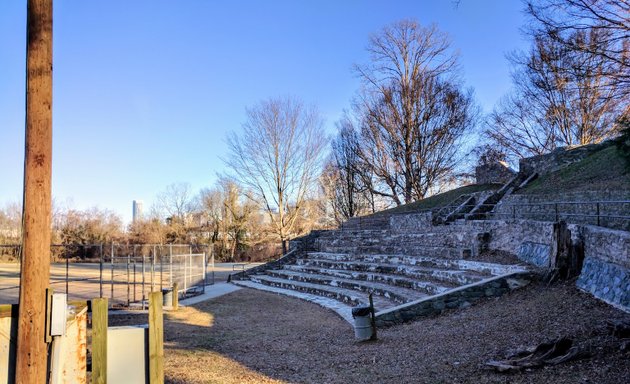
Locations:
252 336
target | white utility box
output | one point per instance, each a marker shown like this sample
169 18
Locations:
59 314
127 359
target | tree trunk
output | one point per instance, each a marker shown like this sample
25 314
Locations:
284 246
32 351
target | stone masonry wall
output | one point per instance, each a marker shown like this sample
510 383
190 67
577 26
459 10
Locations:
578 208
411 222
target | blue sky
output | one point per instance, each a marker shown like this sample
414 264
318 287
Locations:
145 92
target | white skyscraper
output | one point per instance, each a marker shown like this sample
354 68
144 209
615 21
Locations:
137 210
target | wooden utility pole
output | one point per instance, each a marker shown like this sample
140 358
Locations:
32 351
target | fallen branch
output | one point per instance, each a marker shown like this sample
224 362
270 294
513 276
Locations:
553 353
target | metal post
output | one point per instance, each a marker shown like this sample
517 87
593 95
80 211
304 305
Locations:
598 222
204 273
143 272
161 270
128 281
67 274
134 280
557 215
153 271
170 253
185 277
100 272
212 261
111 261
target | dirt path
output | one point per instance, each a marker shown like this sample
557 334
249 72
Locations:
257 337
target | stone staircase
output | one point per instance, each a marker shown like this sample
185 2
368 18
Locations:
486 205
341 268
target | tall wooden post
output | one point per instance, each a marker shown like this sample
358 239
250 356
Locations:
31 359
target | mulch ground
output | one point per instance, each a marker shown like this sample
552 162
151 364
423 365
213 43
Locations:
256 337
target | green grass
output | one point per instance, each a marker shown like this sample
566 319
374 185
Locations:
440 200
603 170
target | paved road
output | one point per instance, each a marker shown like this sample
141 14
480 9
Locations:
84 280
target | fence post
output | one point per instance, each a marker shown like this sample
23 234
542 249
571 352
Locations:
134 280
170 268
143 273
67 270
128 281
153 270
100 272
185 275
156 339
204 273
557 215
99 341
111 262
598 214
161 270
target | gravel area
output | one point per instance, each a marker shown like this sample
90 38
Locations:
258 337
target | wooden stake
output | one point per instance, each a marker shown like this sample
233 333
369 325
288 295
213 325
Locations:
156 339
372 318
99 341
31 359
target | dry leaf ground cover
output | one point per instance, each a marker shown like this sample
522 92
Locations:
256 337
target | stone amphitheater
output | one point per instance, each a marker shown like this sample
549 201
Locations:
422 263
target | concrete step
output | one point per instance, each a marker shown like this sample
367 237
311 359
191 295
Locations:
425 286
397 294
347 296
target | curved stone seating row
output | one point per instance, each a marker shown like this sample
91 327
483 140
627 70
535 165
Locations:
394 280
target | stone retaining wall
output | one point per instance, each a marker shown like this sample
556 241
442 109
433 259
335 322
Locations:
461 297
578 208
606 281
416 222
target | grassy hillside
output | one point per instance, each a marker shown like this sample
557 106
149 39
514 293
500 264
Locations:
441 199
603 170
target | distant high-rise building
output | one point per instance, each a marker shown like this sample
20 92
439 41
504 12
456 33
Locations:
137 210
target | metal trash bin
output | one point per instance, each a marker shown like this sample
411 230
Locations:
167 297
362 322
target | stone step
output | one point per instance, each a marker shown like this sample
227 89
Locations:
347 296
419 250
424 286
399 260
397 294
439 277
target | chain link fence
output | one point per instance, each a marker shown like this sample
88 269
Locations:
124 273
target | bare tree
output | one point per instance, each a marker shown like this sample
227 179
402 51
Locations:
177 204
277 157
413 113
10 223
345 179
91 226
176 201
552 107
560 20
